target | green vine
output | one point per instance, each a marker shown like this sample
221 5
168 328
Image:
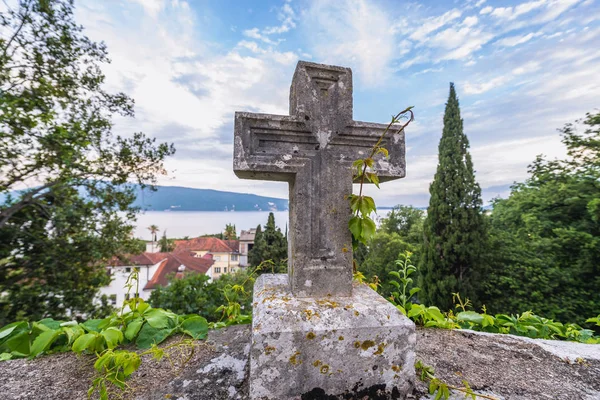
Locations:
361 225
440 389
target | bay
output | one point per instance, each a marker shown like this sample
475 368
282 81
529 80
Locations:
179 224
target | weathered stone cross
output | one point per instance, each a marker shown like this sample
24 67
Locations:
313 149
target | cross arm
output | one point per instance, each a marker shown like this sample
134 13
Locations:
270 147
359 138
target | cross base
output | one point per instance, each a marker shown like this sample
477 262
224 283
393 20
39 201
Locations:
328 346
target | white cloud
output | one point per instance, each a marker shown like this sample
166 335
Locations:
479 88
554 9
526 68
434 23
470 21
516 40
486 10
355 34
510 13
152 7
287 17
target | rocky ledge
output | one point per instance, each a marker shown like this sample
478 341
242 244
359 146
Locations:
502 366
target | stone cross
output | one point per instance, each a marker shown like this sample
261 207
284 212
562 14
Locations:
313 149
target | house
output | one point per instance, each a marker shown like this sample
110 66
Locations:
246 243
224 253
154 270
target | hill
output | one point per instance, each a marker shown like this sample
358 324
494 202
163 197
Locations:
176 198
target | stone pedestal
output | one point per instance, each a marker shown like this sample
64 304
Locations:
328 346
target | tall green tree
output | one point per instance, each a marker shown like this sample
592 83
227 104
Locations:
153 231
75 212
454 230
546 235
166 245
269 244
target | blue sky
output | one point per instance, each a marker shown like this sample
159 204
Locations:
522 69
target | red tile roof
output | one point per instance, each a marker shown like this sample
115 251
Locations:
171 264
137 259
212 244
233 244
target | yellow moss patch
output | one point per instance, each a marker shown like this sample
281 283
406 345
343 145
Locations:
310 335
294 360
367 344
380 349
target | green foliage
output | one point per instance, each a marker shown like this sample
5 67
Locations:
166 245
195 294
55 130
454 229
383 251
361 225
403 283
230 232
142 325
440 389
546 235
269 245
400 231
525 324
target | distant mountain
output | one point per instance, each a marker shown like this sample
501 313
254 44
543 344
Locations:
175 198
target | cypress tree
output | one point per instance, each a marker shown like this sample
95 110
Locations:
269 244
454 229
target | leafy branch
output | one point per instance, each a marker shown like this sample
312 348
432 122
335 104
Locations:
441 389
361 225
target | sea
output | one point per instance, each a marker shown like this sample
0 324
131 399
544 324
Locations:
179 224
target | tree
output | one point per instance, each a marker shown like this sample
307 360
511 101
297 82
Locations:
383 251
454 229
195 294
230 232
153 231
269 244
407 222
55 140
546 235
166 245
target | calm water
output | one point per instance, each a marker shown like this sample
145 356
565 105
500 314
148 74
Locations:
194 223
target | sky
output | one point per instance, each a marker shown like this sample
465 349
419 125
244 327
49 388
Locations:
522 69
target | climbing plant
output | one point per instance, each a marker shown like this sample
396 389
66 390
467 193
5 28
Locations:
361 224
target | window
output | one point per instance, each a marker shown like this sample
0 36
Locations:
224 270
127 296
234 257
217 270
113 299
128 269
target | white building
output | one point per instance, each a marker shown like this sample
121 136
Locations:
155 269
246 243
